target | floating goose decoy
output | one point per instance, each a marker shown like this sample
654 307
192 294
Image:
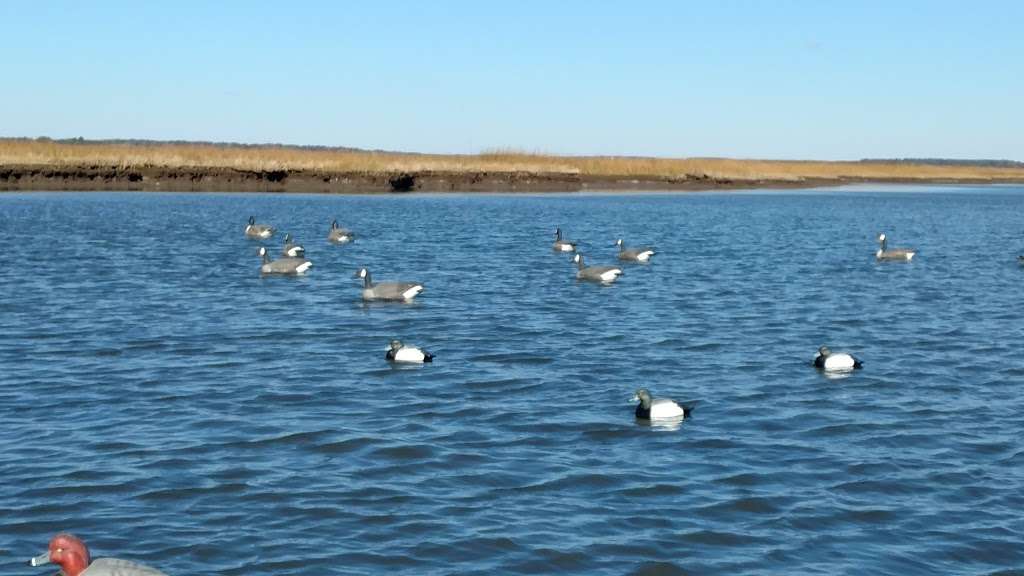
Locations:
398 352
658 408
291 249
562 245
254 230
339 235
634 254
830 361
394 291
894 254
605 274
283 266
70 553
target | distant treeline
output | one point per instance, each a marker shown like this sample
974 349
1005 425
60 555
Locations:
144 142
948 162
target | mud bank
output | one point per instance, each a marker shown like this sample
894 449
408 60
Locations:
205 179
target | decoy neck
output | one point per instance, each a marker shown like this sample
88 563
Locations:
882 241
365 275
66 551
252 220
334 225
578 259
620 244
263 255
558 233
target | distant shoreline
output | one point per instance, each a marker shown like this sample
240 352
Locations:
87 166
204 179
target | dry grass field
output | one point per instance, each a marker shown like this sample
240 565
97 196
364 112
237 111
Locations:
53 154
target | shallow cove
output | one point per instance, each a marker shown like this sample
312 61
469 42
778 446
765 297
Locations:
168 405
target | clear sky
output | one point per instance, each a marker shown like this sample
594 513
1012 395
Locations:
767 79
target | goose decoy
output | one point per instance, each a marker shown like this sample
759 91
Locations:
291 249
282 266
392 291
339 235
254 230
562 245
658 408
70 553
903 254
830 361
605 274
398 352
634 254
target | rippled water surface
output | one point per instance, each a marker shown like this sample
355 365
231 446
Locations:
166 403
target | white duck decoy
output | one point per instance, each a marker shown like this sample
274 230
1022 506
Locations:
658 408
71 554
282 266
634 254
254 230
900 254
562 245
830 361
398 352
388 291
339 235
292 249
603 274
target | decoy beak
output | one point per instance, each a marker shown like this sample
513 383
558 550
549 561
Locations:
43 558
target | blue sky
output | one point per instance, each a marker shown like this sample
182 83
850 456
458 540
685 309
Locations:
808 79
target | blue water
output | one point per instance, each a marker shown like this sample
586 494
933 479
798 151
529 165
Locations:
167 404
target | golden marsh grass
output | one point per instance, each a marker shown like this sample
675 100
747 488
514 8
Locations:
24 152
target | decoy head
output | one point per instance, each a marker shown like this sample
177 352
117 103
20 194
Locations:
262 251
643 396
361 273
824 351
287 237
395 345
558 233
881 237
68 552
619 242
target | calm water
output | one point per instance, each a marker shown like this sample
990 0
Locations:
164 402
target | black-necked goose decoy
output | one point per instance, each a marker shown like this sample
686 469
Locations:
642 254
339 235
71 554
291 249
282 266
830 361
604 274
398 352
562 245
884 253
254 230
393 291
658 408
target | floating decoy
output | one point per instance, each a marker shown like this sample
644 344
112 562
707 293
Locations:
604 274
291 249
393 291
339 235
658 408
634 254
830 361
398 352
282 266
894 254
562 245
70 553
254 230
